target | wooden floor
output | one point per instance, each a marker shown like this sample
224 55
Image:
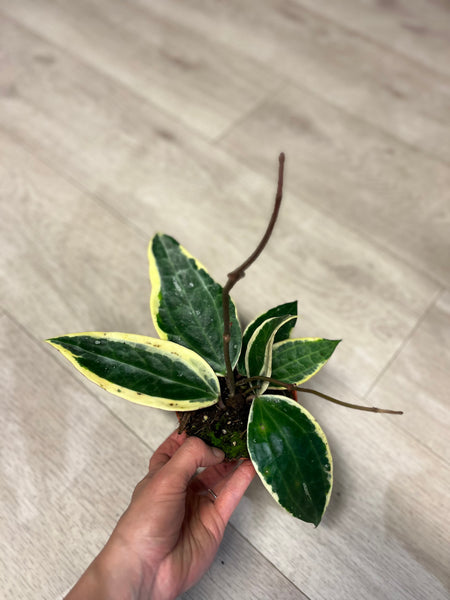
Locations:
121 119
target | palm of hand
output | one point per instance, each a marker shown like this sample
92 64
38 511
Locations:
173 523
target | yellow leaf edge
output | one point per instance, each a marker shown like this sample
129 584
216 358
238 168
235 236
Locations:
266 368
306 339
189 356
322 436
155 281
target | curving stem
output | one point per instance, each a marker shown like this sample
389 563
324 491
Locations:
239 273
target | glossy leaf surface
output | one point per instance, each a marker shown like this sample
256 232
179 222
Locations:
144 370
283 310
295 361
186 303
291 456
258 358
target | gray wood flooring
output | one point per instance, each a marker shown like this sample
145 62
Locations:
121 119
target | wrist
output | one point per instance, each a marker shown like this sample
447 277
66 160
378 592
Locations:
123 568
115 574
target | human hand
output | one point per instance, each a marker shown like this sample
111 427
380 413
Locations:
170 533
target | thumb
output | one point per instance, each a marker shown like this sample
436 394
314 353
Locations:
191 455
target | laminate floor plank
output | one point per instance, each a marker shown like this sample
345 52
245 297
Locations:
389 192
418 380
347 70
201 84
39 191
418 29
64 484
118 120
386 530
390 296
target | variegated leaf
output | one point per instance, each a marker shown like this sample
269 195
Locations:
144 370
258 358
186 303
283 310
291 456
297 360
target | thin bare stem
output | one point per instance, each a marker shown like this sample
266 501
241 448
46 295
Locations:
290 386
239 273
349 405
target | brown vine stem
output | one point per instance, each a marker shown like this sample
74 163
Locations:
239 273
290 386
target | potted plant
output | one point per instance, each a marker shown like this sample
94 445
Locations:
232 389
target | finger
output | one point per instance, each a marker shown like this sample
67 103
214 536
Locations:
212 477
191 455
229 496
165 452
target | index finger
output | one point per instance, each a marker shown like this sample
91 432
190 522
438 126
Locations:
230 494
165 451
192 454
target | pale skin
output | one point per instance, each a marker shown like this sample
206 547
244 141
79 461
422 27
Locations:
172 529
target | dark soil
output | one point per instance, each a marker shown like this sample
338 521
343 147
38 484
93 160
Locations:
222 428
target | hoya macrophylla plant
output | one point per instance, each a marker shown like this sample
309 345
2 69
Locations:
232 389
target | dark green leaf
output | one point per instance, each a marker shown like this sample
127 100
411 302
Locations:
258 358
186 303
295 361
291 456
283 310
141 369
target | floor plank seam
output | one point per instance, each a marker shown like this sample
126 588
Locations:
289 83
88 161
276 569
370 125
427 449
216 141
374 42
438 294
383 247
285 80
86 386
95 197
283 83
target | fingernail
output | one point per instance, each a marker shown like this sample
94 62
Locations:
219 453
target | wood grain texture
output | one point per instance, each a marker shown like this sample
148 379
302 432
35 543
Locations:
113 278
385 533
357 175
199 83
338 64
60 473
418 29
119 120
63 477
418 380
206 189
